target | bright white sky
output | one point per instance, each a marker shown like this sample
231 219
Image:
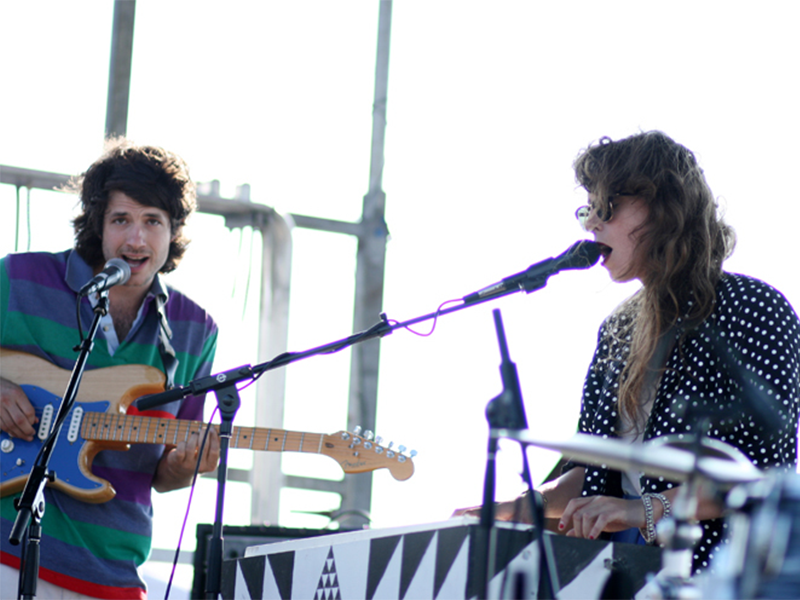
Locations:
489 102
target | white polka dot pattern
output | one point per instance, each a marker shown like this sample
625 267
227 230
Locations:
743 358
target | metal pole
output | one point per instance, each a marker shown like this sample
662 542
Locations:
119 75
370 268
266 476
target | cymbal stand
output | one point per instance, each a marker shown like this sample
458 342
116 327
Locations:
680 534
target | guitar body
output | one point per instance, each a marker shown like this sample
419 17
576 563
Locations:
107 390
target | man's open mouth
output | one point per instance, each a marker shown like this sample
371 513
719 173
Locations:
134 262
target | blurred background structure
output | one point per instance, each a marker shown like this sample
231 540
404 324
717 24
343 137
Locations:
370 156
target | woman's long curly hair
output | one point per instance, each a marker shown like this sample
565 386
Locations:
680 247
150 175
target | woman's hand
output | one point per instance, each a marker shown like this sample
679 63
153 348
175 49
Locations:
517 510
556 494
587 517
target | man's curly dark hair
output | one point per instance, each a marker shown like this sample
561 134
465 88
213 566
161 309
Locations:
150 175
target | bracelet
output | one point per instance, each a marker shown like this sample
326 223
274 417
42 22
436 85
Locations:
649 530
541 495
665 502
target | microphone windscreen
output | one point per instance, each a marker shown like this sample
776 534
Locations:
581 255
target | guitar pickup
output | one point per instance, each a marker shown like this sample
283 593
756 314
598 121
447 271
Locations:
45 422
75 424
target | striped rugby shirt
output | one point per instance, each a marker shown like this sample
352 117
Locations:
95 549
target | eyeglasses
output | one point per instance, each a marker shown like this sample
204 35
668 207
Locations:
586 212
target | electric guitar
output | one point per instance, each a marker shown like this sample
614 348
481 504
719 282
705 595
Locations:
98 423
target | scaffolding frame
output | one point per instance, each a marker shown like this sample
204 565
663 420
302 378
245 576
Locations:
266 477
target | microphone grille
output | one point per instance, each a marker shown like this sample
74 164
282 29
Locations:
122 266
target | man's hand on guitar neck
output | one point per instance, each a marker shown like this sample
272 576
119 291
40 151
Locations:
17 415
177 465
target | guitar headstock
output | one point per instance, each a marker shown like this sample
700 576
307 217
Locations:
358 453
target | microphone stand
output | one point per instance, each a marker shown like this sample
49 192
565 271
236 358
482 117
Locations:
224 386
31 504
507 412
380 329
228 401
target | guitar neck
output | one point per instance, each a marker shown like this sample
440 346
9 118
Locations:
134 429
98 422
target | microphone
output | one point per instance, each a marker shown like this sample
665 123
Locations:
581 255
116 272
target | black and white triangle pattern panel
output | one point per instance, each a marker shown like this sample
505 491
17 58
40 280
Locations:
432 563
328 586
402 566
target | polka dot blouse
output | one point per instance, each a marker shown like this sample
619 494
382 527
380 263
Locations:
740 368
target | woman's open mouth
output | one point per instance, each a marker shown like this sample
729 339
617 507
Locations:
605 251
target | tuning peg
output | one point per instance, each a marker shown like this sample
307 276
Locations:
369 435
345 435
413 453
357 430
378 439
401 449
390 445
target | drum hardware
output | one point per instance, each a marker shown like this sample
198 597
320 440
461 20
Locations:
679 535
762 559
659 458
707 464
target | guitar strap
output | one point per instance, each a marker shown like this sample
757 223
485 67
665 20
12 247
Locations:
168 356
